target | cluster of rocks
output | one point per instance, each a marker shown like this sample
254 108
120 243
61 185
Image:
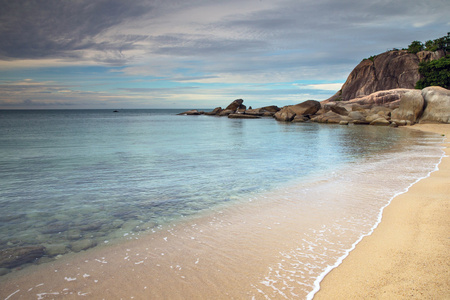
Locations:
396 107
237 110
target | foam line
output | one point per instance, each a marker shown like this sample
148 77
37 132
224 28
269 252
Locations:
328 269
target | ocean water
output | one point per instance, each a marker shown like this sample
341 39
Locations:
78 179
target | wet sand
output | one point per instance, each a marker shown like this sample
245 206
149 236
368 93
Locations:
408 254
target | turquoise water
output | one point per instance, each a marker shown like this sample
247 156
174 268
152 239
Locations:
86 177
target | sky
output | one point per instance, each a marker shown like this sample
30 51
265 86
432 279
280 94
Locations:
118 54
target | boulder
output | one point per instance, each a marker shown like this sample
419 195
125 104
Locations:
437 105
339 110
411 107
309 107
214 112
330 117
284 115
271 108
380 122
235 105
14 257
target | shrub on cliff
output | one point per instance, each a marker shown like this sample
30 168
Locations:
436 72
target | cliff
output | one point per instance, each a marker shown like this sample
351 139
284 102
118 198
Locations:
390 70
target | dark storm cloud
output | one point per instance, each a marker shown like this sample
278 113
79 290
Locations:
54 28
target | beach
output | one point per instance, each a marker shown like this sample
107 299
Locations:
407 256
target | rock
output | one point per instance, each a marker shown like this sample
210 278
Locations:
215 111
411 107
357 115
387 98
288 113
55 249
372 117
56 227
284 115
192 112
437 105
380 122
84 244
300 119
357 107
14 257
343 123
330 117
309 107
242 116
339 110
389 70
226 112
235 105
271 108
254 112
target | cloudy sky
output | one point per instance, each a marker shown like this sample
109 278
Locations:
196 53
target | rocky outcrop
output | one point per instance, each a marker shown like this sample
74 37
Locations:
236 105
389 70
13 257
437 105
288 113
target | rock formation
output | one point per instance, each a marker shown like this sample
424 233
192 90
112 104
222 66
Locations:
387 71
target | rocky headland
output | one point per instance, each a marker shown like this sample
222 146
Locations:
379 91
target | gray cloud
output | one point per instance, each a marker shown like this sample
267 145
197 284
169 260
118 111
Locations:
54 28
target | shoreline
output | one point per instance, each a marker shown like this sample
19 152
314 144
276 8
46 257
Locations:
96 271
406 256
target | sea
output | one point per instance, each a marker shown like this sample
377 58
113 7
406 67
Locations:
273 206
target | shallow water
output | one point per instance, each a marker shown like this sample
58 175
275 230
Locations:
270 205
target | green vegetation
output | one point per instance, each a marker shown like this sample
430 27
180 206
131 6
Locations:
435 72
442 43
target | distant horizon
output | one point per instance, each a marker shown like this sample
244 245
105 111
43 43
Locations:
146 55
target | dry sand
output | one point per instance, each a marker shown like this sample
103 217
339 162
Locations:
408 254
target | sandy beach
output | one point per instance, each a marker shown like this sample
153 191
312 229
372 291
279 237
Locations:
407 256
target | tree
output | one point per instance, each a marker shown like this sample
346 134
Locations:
435 72
415 47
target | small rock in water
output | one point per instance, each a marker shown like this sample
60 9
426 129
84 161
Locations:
80 245
14 257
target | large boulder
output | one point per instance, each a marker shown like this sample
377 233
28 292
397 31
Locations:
288 113
235 105
214 112
309 107
14 257
284 115
411 107
437 105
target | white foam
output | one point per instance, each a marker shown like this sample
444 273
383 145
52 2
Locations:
12 294
380 215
